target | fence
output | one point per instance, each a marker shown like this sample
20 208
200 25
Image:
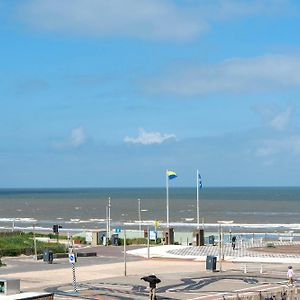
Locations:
280 293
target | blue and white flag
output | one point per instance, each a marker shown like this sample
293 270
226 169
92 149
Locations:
199 181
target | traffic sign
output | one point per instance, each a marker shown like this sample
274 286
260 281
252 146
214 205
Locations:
118 230
72 258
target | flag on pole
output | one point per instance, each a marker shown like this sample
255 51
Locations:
200 181
171 175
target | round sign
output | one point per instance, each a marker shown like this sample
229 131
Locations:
72 258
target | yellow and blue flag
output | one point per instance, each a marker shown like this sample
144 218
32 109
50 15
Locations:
171 175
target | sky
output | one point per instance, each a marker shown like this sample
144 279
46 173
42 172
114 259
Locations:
98 93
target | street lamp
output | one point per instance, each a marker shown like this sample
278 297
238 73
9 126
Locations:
139 214
109 229
221 241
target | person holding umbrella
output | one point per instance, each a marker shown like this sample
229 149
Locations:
153 281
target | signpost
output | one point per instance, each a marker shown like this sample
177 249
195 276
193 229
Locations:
118 230
148 242
221 241
125 259
72 260
34 241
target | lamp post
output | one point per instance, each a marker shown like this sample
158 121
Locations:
106 214
221 241
139 215
125 257
148 242
109 230
34 241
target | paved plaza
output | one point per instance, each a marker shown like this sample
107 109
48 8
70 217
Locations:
181 269
181 286
243 252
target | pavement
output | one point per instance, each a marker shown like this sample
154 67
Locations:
243 252
183 274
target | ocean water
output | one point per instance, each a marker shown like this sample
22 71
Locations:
86 208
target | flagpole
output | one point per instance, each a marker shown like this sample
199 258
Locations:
167 191
197 183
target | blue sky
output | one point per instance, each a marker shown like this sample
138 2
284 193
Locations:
112 93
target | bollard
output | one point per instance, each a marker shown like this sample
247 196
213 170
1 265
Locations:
245 269
261 269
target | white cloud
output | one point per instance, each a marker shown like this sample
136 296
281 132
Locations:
269 72
145 19
275 117
281 120
76 138
271 147
149 138
228 9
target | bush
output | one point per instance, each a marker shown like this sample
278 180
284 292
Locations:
22 243
139 241
270 245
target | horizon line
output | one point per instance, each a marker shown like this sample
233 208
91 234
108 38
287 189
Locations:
148 187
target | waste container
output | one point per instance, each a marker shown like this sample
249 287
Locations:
211 239
48 256
115 239
211 263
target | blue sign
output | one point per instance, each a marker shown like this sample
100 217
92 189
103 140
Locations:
153 235
72 258
118 230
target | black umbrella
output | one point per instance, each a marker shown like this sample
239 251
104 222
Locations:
152 279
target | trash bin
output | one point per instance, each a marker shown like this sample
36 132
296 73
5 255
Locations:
46 255
211 239
211 263
115 239
50 257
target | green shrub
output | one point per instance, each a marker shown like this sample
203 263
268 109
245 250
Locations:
139 241
17 243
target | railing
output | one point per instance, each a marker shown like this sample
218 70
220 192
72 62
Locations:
291 293
252 268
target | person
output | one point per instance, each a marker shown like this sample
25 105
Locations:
233 240
290 275
153 280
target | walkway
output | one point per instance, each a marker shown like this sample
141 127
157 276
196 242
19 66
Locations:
242 253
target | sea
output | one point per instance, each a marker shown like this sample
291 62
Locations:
86 208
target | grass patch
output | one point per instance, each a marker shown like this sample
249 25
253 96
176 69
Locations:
138 241
17 243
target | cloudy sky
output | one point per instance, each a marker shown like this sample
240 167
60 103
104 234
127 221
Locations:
98 93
